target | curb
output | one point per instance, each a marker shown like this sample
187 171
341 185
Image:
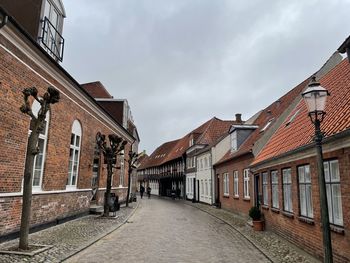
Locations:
101 236
262 251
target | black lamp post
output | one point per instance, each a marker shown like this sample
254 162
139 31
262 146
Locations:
315 97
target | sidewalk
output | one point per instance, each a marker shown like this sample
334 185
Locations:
69 238
273 246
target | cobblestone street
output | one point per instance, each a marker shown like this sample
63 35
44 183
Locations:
163 230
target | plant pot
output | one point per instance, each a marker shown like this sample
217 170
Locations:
258 225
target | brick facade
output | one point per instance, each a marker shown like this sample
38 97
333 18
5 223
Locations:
19 70
308 233
239 204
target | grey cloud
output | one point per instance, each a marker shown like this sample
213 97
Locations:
182 62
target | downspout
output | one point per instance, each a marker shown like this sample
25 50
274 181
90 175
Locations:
3 18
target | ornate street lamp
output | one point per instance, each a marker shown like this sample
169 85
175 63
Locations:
315 97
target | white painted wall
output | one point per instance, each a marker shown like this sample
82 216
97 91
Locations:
189 185
204 176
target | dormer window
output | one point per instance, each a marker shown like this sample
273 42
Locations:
52 24
191 142
234 141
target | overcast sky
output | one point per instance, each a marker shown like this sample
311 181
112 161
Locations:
181 62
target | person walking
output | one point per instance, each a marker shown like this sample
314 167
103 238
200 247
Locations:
149 192
142 190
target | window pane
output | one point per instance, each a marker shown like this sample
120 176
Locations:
334 171
326 171
77 141
329 201
307 174
301 173
302 191
72 139
337 205
310 212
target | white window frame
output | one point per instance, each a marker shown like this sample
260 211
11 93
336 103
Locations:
76 132
287 190
265 187
332 178
274 190
235 184
246 181
42 136
226 182
305 191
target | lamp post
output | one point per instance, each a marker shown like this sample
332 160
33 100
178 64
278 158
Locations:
315 97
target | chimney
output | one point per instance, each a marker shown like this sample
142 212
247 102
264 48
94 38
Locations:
238 117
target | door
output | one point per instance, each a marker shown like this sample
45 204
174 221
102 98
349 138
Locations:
257 193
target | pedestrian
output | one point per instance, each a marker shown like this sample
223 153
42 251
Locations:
142 190
149 192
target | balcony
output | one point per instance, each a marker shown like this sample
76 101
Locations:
51 40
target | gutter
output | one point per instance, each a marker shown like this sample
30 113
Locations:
305 147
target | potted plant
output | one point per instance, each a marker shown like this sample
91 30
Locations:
255 214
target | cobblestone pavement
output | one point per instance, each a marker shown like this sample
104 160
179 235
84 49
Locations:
276 248
164 230
68 238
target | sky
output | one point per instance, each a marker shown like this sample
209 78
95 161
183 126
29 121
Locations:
181 62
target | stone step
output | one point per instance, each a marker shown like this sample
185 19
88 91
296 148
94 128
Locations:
96 209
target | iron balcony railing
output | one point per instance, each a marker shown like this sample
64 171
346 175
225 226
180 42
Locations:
52 40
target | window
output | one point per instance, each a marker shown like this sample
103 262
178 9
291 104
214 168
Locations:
74 153
191 142
205 162
287 190
235 184
305 197
246 183
206 187
122 169
226 184
265 192
210 191
39 159
51 38
274 189
234 141
202 187
331 170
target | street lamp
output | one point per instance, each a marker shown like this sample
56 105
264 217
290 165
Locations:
315 97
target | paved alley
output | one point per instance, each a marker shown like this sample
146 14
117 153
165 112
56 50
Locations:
164 230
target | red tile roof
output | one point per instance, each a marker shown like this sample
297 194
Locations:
272 112
300 131
96 90
207 133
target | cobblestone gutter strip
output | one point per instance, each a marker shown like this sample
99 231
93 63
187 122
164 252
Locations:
275 248
70 238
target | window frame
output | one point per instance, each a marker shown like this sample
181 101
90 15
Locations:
235 183
276 184
226 188
308 205
77 132
246 184
331 183
285 186
265 192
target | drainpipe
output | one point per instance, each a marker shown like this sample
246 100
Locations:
3 18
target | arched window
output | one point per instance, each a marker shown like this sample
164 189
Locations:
74 153
39 159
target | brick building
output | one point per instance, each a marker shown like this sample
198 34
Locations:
287 169
64 168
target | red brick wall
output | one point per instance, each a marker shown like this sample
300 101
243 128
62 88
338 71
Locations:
14 77
305 235
45 208
237 205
